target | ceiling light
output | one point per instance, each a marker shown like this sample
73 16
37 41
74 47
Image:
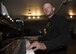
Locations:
4 13
38 17
8 16
33 17
29 17
71 16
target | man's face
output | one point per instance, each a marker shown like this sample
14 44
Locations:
48 9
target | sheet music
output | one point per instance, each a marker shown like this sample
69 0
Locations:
28 51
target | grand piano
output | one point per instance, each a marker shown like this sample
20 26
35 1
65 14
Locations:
12 34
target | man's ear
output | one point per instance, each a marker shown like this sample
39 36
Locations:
53 9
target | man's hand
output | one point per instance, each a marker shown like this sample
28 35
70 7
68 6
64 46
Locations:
37 45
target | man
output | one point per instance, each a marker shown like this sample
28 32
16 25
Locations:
57 36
